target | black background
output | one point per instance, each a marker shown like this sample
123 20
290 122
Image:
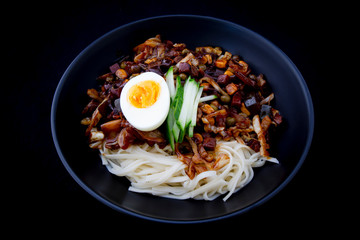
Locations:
41 40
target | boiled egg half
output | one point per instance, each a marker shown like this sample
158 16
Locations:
145 101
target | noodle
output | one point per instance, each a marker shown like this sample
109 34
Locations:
158 172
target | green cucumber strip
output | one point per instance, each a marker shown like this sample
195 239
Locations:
179 98
192 96
169 124
181 120
196 104
175 131
187 109
183 109
169 76
191 131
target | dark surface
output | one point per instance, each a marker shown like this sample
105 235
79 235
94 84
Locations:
48 36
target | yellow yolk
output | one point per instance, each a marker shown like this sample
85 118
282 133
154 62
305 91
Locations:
144 94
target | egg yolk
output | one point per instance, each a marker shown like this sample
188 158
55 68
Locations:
144 94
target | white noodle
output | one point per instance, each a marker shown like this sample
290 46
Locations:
158 172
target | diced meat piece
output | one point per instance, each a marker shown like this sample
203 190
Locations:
223 79
220 120
184 67
236 100
114 67
209 143
114 93
194 71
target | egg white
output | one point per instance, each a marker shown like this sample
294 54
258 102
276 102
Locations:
150 118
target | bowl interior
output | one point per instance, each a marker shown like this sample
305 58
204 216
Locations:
291 98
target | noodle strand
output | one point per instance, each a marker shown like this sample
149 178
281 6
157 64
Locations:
155 171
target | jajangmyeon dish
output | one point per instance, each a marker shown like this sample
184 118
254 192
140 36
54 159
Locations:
182 123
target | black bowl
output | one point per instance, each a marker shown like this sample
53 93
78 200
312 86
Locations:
292 98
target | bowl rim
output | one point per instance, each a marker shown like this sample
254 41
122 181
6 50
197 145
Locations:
305 90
